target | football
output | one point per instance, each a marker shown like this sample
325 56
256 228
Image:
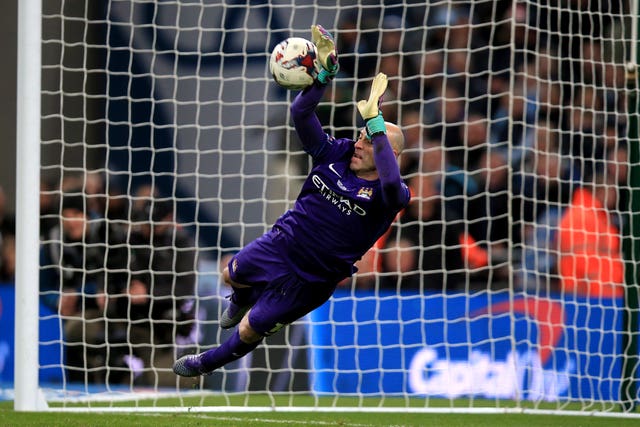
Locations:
294 63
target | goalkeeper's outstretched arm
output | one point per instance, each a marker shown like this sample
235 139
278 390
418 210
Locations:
305 120
386 147
387 141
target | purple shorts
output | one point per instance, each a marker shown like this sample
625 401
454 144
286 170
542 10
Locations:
282 297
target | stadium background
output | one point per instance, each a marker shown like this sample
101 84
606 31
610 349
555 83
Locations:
8 121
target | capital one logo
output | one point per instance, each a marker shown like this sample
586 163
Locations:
521 373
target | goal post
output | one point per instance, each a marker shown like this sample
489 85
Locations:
501 288
28 396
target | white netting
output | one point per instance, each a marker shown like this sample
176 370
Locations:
502 284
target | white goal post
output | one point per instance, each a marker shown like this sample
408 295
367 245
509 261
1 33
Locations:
28 396
507 286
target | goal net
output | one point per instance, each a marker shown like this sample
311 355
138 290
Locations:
166 147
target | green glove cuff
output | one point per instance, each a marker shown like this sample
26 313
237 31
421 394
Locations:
375 125
325 76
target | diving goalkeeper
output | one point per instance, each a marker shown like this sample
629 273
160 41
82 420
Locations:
350 198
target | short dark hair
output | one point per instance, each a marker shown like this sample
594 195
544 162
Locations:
155 210
73 200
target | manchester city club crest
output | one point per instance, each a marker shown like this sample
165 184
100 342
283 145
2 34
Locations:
365 193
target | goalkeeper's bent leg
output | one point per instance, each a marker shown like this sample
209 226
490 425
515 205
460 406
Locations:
232 349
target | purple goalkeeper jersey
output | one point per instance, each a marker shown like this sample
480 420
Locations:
337 216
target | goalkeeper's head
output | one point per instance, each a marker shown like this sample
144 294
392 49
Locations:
362 162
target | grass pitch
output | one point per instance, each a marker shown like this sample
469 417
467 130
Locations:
104 416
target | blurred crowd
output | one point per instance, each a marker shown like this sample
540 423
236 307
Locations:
515 119
121 272
516 154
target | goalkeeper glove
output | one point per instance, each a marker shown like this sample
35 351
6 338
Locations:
370 109
327 55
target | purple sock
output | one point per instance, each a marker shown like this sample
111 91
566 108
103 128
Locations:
232 349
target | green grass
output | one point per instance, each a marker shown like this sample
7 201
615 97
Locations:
9 417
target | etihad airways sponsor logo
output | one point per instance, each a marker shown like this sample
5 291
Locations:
345 205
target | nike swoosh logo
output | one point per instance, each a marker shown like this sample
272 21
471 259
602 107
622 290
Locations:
333 170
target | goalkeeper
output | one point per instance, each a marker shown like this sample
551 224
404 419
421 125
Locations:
350 198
